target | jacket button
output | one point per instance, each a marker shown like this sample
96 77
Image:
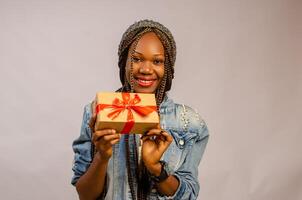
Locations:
181 142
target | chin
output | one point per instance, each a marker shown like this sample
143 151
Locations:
144 90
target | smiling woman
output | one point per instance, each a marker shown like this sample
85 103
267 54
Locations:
161 164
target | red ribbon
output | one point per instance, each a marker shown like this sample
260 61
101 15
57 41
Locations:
129 104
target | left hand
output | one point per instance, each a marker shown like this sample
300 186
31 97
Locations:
155 143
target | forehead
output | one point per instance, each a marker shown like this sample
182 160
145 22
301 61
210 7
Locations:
150 42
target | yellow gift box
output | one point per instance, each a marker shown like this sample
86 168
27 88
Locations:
126 112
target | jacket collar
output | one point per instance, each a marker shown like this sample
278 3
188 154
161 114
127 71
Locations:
166 103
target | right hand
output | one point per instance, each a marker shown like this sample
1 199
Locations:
102 139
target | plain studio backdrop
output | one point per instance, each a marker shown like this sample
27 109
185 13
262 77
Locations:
238 64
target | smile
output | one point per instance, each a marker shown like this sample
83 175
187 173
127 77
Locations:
144 83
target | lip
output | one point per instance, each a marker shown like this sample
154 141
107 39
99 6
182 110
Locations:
144 82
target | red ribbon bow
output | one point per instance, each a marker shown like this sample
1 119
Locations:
129 104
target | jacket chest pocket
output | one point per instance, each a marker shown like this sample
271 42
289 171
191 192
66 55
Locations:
179 148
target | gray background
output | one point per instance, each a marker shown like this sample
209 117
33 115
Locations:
239 64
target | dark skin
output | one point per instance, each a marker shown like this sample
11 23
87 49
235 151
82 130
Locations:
148 72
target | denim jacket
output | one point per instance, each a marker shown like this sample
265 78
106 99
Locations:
183 156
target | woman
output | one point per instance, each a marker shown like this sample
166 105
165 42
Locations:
161 164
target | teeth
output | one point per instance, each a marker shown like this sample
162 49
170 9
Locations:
145 81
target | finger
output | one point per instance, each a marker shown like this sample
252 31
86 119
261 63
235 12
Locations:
153 132
154 138
158 126
155 135
166 141
93 116
164 147
167 136
98 134
92 123
158 135
93 108
112 142
144 135
108 138
108 144
107 131
148 137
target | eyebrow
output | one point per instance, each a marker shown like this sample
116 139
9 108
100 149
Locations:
159 54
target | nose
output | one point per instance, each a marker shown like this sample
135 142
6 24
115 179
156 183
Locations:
146 68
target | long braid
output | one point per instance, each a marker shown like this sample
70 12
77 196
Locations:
169 71
140 193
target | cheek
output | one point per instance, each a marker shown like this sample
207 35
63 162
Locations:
160 72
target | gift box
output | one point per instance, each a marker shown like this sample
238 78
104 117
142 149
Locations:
126 112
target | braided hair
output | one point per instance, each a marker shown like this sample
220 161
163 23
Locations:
130 39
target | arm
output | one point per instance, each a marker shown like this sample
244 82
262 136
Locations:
90 173
183 184
156 147
91 184
187 174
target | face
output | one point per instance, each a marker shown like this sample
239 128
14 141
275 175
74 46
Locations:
148 64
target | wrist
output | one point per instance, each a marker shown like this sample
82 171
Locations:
100 159
154 169
164 173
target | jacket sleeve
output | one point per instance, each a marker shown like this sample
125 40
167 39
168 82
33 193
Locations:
187 173
82 148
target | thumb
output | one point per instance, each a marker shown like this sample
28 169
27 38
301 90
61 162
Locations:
93 108
158 126
93 117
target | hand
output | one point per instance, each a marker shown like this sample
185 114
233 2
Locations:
102 139
155 143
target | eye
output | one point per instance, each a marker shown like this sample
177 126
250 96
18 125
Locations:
136 59
158 61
